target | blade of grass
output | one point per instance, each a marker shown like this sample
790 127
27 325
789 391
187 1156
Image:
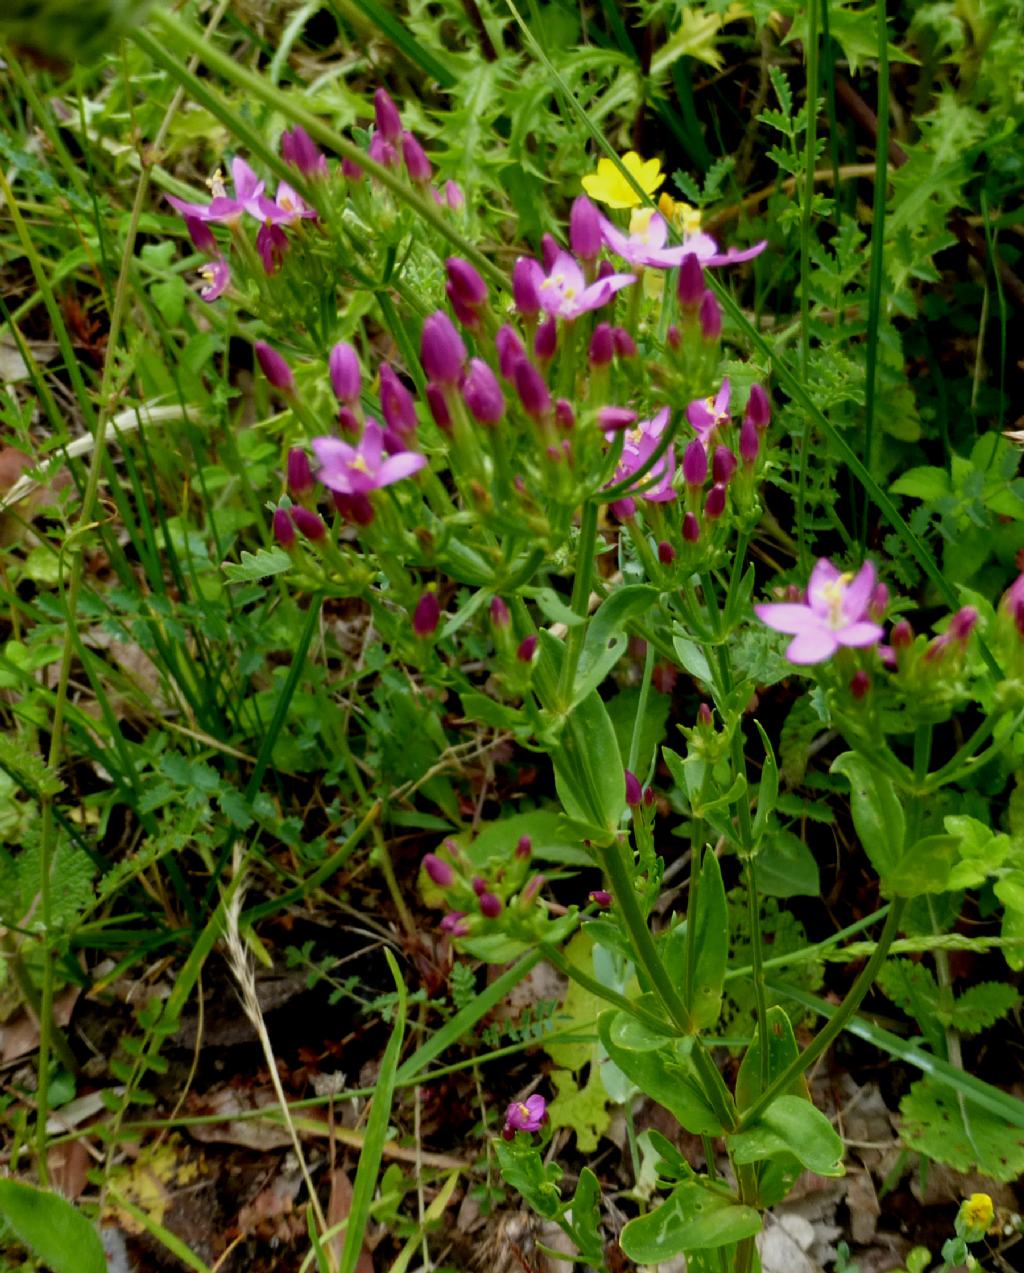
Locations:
877 247
399 35
1002 1104
376 1132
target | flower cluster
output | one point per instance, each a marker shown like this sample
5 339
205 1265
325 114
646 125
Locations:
474 899
280 218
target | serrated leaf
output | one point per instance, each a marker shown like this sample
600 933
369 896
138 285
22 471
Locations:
257 565
979 1007
933 1124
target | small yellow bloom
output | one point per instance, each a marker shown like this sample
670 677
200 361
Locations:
681 216
609 186
977 1213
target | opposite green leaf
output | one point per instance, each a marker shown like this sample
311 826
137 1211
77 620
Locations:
877 812
791 1125
53 1230
691 1218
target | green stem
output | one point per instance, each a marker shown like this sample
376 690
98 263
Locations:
568 969
621 880
875 277
807 203
837 1022
585 547
641 709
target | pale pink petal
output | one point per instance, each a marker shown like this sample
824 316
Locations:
372 445
858 593
701 245
823 575
614 238
700 416
788 617
404 464
733 256
247 184
859 634
812 647
601 292
198 210
722 398
333 451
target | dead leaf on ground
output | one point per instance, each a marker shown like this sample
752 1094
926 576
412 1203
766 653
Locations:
21 1036
338 1209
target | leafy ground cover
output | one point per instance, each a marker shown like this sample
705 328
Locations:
513 652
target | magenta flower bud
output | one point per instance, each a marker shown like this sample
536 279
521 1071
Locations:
454 923
500 616
600 897
545 342
466 281
441 349
1018 617
357 509
382 152
466 314
666 553
695 464
427 615
302 152
879 602
565 417
623 509
602 346
284 531
346 376
962 624
585 229
417 165
634 792
691 529
704 718
308 523
524 285
690 287
300 475
348 421
533 392
438 405
715 504
201 235
710 317
533 887
649 797
673 337
527 649
759 410
276 370
396 404
453 196
490 906
510 350
902 635
524 847
350 170
750 442
860 683
605 270
386 116
479 885
438 870
723 465
611 419
625 345
482 393
549 250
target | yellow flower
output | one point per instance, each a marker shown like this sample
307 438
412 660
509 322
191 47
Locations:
977 1213
609 186
681 216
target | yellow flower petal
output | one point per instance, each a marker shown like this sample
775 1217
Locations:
610 187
